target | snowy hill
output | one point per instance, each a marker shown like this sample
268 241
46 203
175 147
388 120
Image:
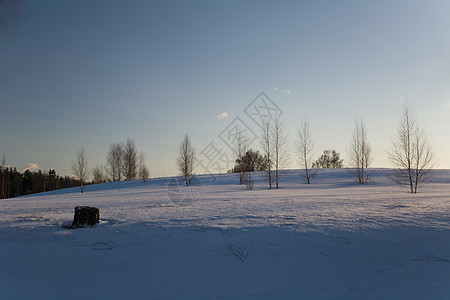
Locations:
333 239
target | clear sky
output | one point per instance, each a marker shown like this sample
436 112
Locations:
89 73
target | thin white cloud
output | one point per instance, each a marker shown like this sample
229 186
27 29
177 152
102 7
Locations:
31 167
287 92
222 115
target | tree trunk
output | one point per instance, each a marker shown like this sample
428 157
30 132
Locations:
85 216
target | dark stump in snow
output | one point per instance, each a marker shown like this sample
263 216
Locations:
85 216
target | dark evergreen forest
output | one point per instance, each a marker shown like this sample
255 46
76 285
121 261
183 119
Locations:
14 183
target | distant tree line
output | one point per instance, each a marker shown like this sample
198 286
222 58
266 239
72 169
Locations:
123 162
14 183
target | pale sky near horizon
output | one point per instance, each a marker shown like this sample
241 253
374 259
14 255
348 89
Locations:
89 73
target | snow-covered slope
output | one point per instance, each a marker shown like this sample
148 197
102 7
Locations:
333 239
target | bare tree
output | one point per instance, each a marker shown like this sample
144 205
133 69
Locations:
130 160
240 149
305 147
185 159
360 152
144 173
114 161
80 168
279 144
411 153
266 144
98 174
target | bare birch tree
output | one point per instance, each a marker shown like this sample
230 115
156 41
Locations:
411 153
114 161
305 148
144 173
279 144
185 159
80 167
359 152
129 160
266 144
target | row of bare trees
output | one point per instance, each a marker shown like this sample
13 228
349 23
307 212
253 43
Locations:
272 161
274 144
411 153
123 162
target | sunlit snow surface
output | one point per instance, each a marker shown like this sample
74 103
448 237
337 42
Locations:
333 239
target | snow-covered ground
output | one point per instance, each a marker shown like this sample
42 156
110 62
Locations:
333 239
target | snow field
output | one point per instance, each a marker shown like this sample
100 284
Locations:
333 239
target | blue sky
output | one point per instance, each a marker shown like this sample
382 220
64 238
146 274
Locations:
89 73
